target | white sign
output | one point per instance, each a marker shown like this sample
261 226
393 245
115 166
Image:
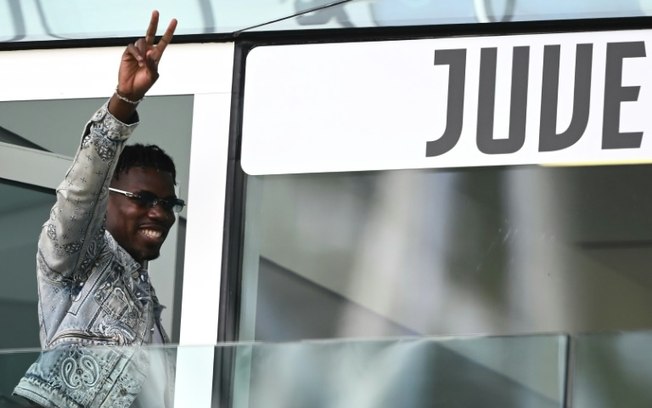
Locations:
569 98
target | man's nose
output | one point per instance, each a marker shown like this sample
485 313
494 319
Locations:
158 211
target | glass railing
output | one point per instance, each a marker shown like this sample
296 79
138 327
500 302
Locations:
525 371
612 370
76 19
474 372
597 370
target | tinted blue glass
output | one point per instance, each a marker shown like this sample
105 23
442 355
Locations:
43 20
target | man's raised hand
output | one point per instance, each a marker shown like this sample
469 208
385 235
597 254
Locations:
139 65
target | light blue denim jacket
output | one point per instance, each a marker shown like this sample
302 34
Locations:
91 291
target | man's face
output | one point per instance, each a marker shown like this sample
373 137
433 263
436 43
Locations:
139 229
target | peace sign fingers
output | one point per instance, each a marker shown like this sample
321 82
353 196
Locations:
155 51
151 29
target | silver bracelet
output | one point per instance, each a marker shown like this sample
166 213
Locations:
129 101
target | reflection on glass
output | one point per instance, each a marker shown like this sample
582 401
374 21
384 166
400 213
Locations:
484 250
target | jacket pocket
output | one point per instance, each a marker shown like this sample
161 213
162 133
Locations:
114 300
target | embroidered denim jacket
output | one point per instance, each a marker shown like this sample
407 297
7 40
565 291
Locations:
93 296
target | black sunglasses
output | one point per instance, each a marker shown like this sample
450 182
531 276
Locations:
149 200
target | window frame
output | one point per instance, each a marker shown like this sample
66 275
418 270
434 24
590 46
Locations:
88 69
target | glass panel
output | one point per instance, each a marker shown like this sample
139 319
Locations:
527 371
165 121
396 13
43 20
46 20
503 250
22 212
496 372
13 365
612 370
83 376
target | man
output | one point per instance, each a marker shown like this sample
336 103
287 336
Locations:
111 217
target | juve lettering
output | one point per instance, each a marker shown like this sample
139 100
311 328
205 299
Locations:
549 138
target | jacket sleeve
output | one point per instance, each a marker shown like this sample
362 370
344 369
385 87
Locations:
74 233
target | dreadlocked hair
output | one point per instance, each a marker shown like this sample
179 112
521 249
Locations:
147 156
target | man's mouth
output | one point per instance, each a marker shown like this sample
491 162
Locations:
151 233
